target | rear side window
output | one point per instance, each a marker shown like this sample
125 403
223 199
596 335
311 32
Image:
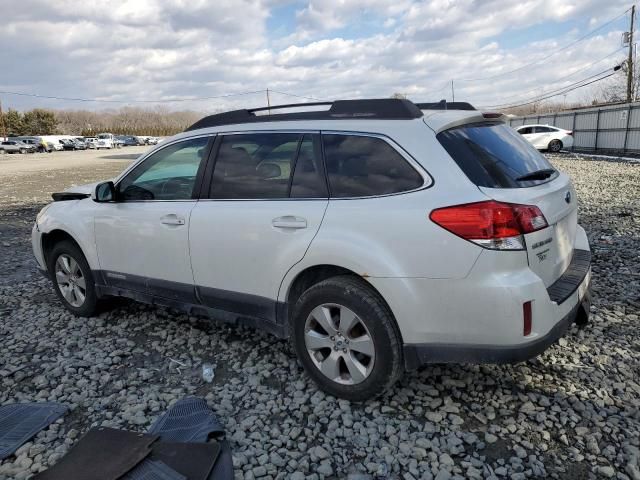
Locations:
257 166
494 155
362 166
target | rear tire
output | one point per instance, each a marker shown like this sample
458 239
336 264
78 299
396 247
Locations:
555 146
72 279
346 338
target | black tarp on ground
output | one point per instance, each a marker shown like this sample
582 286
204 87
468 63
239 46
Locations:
102 454
21 421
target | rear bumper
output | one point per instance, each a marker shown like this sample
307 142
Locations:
573 288
416 355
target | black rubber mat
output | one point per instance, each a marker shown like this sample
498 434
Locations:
223 469
21 421
193 460
153 470
188 420
102 454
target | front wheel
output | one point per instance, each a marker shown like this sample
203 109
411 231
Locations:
346 338
72 279
23 151
555 146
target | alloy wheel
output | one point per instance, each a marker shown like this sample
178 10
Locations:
339 344
70 280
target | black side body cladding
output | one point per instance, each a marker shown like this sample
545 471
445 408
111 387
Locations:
237 308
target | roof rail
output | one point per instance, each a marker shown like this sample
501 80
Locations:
444 105
375 108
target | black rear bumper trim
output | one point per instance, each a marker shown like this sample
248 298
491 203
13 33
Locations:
573 276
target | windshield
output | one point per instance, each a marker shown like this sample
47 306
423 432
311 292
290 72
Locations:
494 155
104 136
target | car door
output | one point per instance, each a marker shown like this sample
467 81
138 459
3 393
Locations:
266 202
527 133
543 137
142 239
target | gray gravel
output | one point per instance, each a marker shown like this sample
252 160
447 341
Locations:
572 413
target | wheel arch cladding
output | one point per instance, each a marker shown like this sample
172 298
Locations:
50 239
313 275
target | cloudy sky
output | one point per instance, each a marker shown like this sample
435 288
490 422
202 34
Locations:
161 50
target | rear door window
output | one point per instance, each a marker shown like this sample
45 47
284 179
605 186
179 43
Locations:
494 155
257 166
364 166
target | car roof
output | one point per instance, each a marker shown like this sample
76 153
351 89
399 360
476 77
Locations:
538 125
366 115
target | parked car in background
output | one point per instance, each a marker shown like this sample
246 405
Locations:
16 146
547 137
282 222
91 142
152 141
129 140
106 140
38 143
73 144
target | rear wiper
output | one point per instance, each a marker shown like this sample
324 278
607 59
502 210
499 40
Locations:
537 175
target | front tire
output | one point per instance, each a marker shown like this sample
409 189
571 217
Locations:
72 279
346 338
555 146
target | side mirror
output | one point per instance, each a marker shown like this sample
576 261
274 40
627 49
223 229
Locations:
104 192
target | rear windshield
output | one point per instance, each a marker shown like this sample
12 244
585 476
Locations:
494 155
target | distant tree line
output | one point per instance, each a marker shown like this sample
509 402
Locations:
33 122
157 122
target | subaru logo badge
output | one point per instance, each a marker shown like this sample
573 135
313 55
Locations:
567 197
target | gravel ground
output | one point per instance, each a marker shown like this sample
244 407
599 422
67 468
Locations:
572 413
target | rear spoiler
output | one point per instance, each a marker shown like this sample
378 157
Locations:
441 120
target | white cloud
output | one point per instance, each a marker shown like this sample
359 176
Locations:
161 49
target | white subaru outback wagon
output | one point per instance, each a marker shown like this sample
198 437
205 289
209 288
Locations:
378 235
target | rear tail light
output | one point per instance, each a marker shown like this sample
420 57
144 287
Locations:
491 224
570 133
526 318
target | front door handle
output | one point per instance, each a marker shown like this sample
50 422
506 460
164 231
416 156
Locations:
289 221
172 219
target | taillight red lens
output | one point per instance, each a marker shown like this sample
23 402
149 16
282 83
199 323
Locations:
526 318
489 220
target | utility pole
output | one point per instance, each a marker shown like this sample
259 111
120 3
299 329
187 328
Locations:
2 124
630 60
268 102
453 93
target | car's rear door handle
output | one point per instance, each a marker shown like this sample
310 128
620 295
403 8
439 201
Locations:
289 221
172 219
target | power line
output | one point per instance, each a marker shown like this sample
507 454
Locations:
555 52
557 89
520 94
72 99
535 100
293 95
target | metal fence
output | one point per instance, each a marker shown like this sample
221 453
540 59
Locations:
612 128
